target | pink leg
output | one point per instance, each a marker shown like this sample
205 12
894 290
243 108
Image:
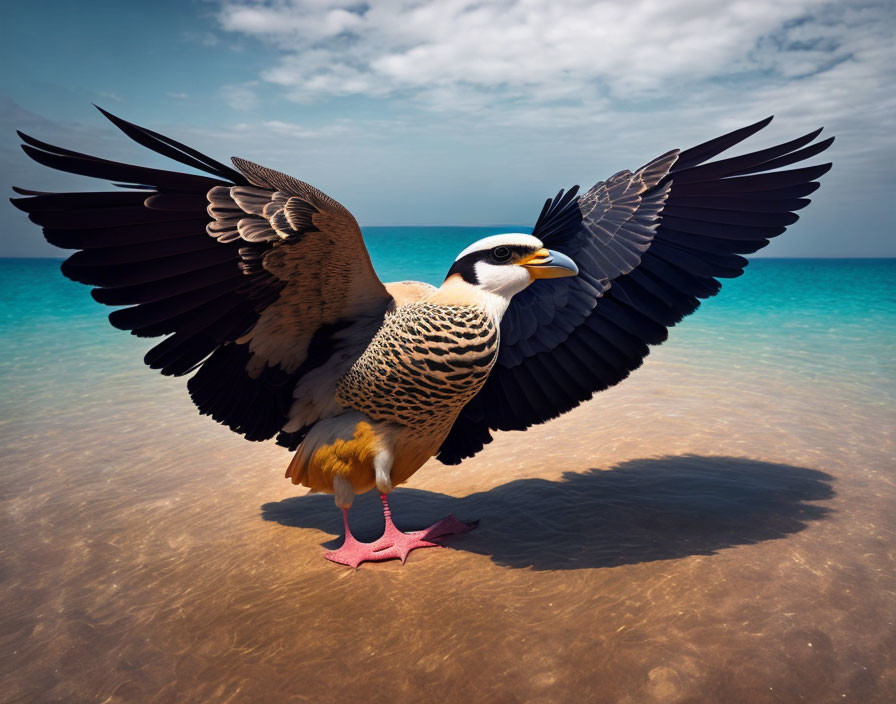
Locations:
393 544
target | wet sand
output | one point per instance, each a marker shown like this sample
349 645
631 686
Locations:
715 529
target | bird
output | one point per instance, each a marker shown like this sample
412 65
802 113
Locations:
264 292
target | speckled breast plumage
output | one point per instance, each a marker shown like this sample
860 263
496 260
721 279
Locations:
424 364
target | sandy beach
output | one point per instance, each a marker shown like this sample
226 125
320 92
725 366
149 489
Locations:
720 527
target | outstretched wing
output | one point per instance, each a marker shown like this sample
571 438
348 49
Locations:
255 278
649 246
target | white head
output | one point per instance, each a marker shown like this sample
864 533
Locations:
503 265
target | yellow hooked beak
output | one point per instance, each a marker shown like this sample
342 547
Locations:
548 264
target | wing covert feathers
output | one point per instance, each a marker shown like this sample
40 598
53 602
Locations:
239 269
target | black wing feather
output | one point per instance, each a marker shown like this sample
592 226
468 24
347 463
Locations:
148 248
175 150
169 246
689 228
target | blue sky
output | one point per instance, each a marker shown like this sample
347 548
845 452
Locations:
460 112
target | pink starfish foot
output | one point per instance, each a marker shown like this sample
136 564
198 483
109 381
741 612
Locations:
393 544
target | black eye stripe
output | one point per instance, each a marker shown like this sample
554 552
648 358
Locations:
465 267
501 254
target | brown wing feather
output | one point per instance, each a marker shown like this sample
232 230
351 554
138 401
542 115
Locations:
255 278
308 241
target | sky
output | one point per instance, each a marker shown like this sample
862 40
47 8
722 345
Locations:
458 112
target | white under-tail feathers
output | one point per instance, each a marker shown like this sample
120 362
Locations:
382 465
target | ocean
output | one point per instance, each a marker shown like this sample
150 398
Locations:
718 527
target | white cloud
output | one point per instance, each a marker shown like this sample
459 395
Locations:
306 19
273 129
110 95
206 39
240 96
550 49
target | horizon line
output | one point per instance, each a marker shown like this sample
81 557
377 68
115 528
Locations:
750 257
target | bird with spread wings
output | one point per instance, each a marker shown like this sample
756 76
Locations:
264 291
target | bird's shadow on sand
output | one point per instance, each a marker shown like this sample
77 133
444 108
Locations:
637 511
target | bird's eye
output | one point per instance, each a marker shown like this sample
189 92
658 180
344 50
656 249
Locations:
500 254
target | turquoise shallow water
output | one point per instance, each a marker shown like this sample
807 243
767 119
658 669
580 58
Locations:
718 527
839 316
